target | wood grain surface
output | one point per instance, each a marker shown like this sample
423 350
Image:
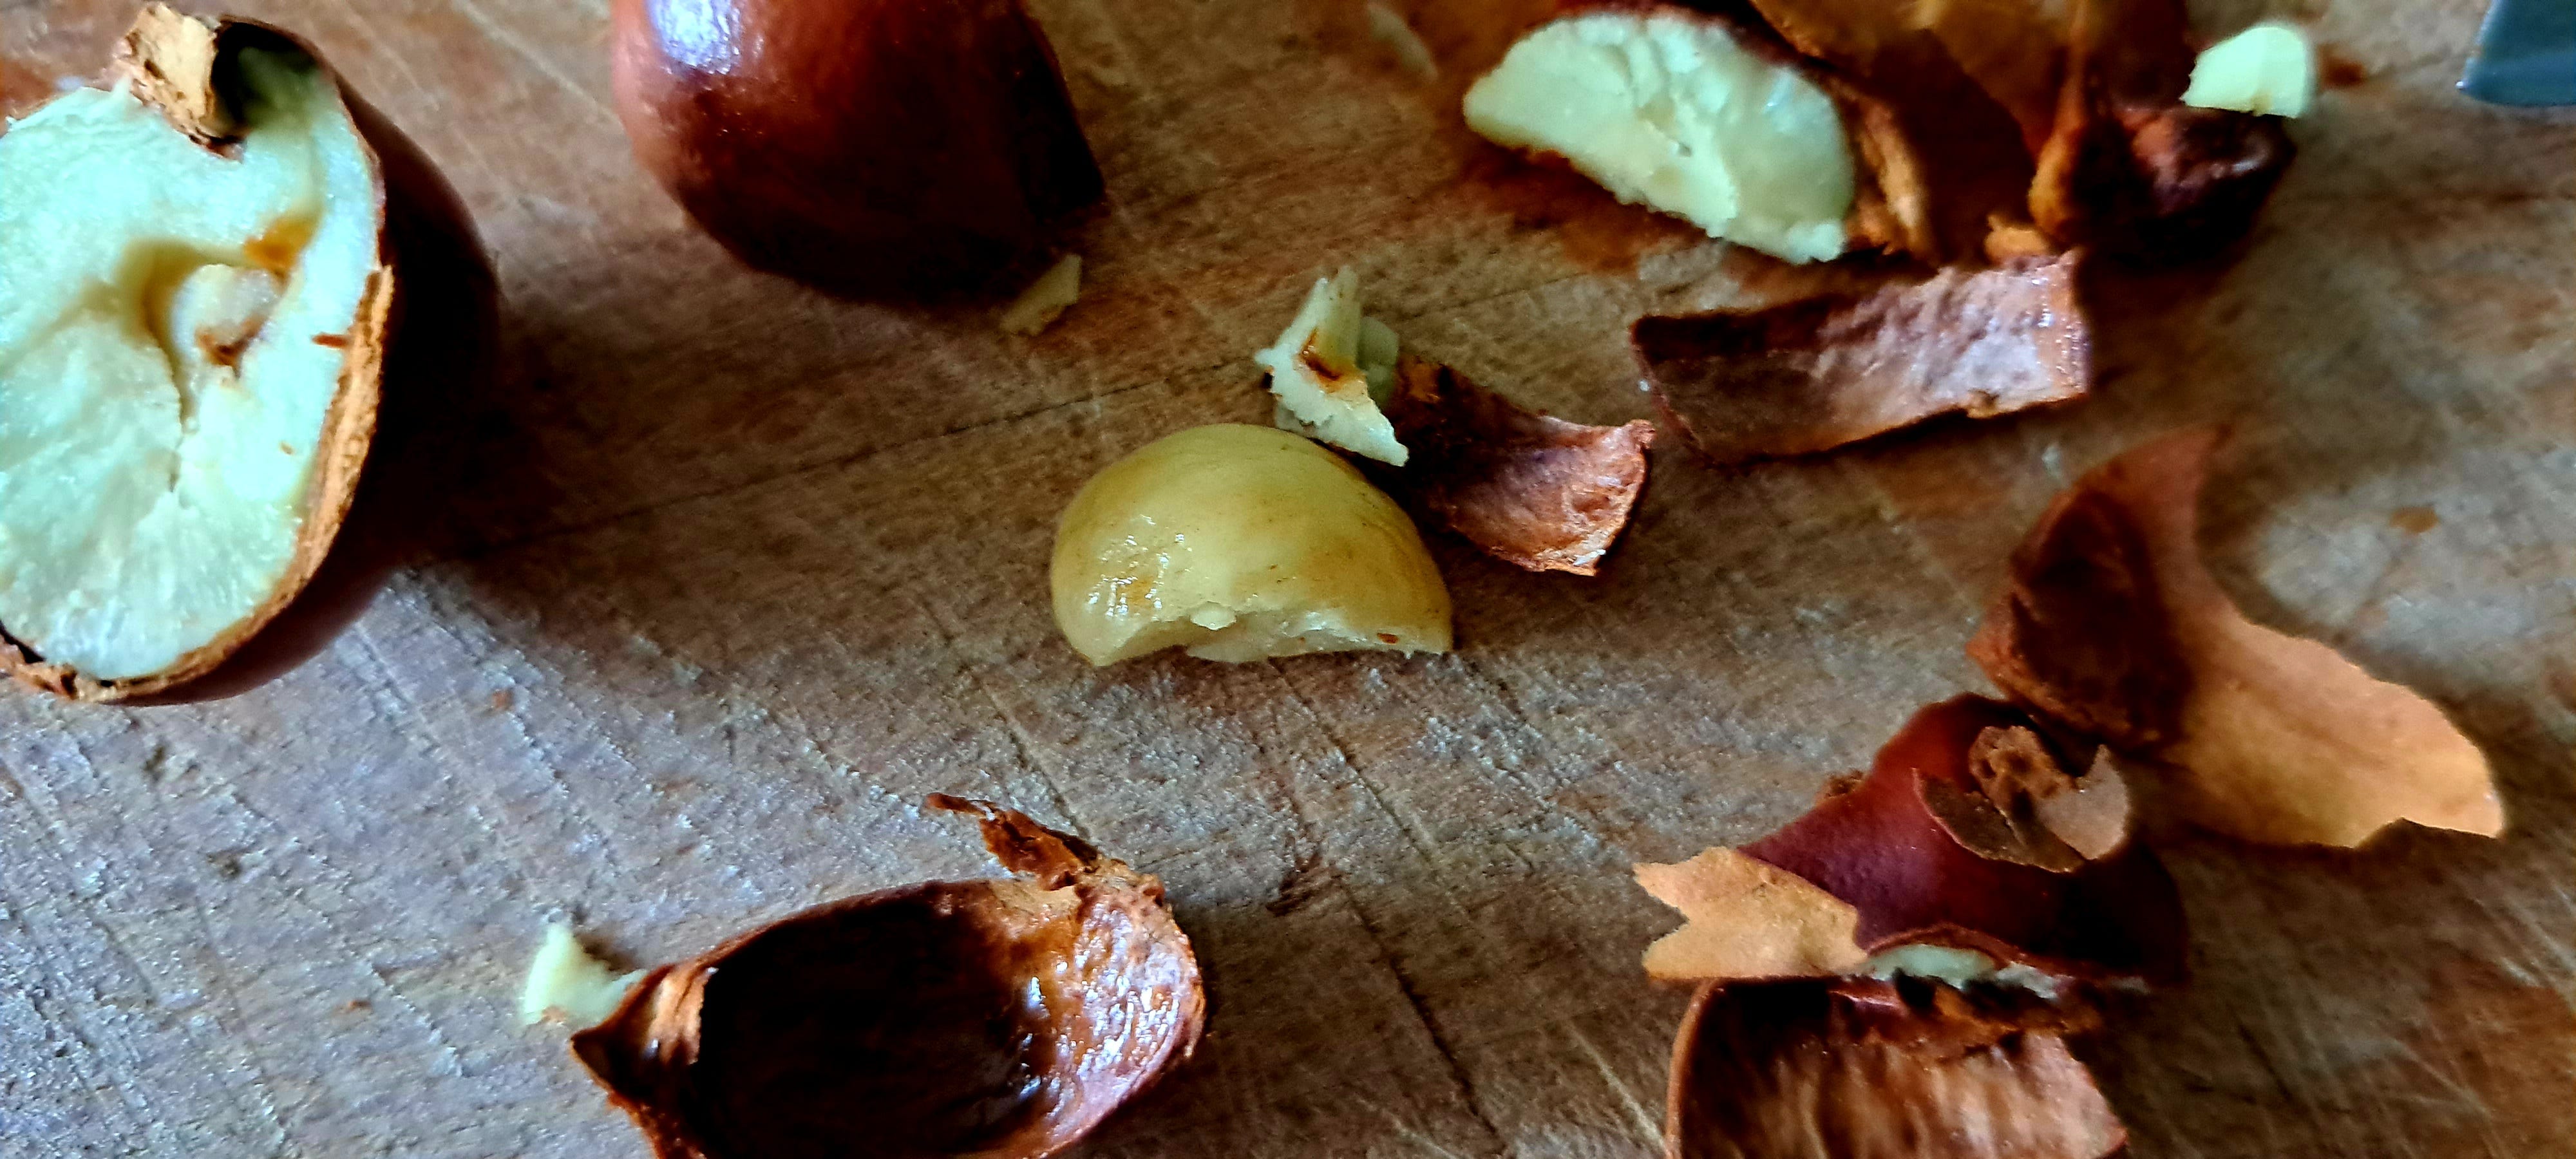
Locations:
732 575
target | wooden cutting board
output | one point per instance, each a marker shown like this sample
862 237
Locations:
736 574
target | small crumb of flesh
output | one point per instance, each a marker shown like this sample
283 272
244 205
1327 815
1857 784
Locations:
565 984
1321 370
1046 299
2269 69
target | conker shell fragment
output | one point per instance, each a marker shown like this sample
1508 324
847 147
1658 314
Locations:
1859 1069
1000 1019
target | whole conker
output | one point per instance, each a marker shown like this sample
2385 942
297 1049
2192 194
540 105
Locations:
864 147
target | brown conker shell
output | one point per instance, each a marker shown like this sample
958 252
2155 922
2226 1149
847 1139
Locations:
999 1019
1860 1069
1814 374
425 328
864 147
2113 626
1880 845
1530 489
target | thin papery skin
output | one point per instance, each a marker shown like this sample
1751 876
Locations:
1744 919
2021 793
1878 846
1529 489
2283 741
1868 1070
1816 374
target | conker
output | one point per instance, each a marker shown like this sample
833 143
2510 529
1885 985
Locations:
865 147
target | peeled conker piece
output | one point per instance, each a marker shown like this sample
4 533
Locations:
865 147
1892 847
1856 1069
999 1019
1240 542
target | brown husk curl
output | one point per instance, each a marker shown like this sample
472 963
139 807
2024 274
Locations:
1815 374
2112 626
1000 1019
1534 491
1968 832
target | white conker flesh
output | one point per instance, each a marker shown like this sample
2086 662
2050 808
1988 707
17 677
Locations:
1239 542
2269 68
564 982
1669 108
201 293
1332 369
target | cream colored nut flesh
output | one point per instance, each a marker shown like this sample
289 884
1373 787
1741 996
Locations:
566 984
1239 542
1666 109
1331 368
188 338
2269 68
1046 299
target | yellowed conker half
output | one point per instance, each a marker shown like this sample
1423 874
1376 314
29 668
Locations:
1240 542
205 264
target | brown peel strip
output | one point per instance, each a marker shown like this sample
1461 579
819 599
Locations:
1869 1070
1816 374
2269 737
1534 491
1743 919
999 1019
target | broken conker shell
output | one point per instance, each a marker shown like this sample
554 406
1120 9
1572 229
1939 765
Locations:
2113 626
1859 1069
861 146
2131 170
1815 374
997 1019
1893 845
1528 488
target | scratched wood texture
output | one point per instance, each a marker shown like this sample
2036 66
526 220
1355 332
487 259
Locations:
736 574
